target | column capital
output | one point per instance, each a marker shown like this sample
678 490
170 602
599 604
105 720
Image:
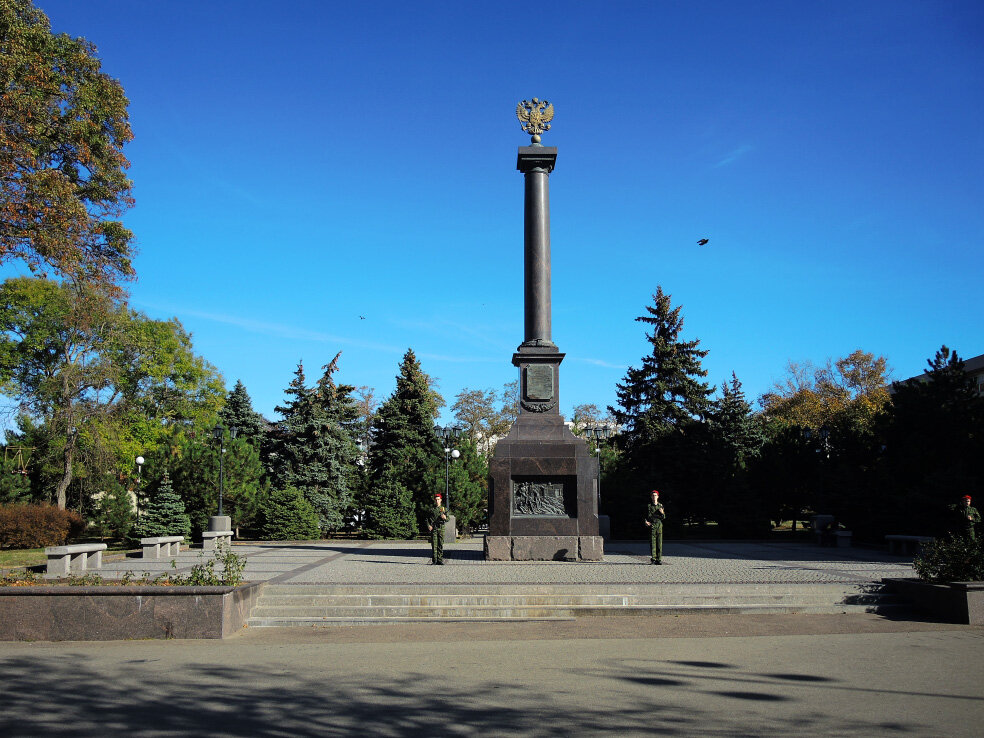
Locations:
536 159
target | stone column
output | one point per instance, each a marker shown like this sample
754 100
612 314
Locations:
536 162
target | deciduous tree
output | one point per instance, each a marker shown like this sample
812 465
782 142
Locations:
63 126
96 383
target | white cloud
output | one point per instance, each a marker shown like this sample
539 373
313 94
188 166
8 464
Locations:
734 155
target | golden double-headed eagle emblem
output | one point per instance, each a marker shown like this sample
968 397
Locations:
535 115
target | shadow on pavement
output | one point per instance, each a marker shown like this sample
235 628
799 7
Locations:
63 693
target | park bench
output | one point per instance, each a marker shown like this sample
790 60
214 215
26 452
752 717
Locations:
827 533
211 539
906 544
154 547
77 557
843 538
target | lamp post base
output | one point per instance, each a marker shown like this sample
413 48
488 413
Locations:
220 522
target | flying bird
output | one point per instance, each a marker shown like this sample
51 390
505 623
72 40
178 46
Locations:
362 317
703 241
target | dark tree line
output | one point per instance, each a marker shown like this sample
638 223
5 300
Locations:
835 440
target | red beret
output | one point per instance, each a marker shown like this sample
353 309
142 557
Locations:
967 497
654 492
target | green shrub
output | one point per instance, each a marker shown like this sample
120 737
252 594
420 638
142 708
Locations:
114 516
956 559
165 516
36 526
285 515
203 573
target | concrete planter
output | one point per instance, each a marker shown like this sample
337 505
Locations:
110 613
955 602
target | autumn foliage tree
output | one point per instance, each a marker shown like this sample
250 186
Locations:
814 397
823 441
63 125
486 415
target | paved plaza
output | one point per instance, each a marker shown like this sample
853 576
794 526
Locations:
692 674
403 562
851 675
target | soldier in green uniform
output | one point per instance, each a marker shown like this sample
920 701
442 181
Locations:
435 524
655 515
967 517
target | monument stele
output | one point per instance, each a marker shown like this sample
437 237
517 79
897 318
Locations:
543 481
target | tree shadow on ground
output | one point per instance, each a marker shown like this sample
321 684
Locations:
64 693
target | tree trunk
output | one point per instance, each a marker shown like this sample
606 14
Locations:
61 491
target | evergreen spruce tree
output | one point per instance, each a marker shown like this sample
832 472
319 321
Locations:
166 514
403 457
191 458
736 429
114 516
934 446
468 483
662 406
285 515
315 445
735 440
238 413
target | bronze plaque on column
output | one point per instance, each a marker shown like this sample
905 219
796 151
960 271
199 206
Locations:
539 382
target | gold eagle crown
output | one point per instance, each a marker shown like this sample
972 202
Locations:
535 115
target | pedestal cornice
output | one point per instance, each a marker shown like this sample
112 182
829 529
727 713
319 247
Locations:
536 159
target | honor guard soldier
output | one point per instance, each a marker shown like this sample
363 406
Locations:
655 515
435 524
967 517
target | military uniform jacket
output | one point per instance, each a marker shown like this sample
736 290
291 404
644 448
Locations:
434 519
968 515
655 514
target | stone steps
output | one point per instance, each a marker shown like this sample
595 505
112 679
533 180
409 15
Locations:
297 605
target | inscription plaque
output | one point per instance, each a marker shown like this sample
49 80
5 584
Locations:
539 498
539 382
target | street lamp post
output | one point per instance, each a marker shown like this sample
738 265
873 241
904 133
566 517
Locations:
360 461
219 433
450 434
140 463
599 433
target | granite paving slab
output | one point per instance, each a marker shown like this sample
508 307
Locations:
407 562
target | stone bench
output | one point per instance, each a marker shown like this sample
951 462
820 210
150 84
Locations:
211 539
906 544
843 538
154 547
77 557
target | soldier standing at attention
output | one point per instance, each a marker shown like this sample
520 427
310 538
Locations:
655 515
968 517
435 524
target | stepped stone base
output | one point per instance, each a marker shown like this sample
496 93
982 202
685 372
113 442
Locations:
544 548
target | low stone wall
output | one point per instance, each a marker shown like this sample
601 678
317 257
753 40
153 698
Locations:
955 602
110 613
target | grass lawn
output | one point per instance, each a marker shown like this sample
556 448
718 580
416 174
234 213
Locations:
21 557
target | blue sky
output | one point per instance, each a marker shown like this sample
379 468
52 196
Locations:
300 164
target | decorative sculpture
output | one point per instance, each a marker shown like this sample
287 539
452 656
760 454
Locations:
535 115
